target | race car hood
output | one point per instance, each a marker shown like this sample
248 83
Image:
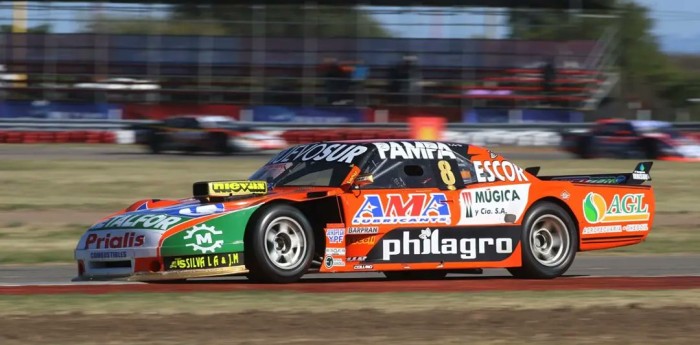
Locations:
150 230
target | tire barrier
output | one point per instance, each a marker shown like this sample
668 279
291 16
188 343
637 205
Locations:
44 137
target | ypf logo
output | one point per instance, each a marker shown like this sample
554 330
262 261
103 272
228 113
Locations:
204 238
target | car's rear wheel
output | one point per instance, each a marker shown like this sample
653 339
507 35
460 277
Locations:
415 275
221 144
279 245
549 242
155 143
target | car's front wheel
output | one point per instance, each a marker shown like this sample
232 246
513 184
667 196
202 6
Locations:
549 242
279 246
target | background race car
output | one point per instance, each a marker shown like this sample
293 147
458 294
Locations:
633 139
220 134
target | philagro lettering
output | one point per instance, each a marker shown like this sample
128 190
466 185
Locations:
108 241
145 221
342 153
436 243
414 150
417 209
490 171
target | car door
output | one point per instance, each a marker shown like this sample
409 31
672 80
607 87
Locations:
407 195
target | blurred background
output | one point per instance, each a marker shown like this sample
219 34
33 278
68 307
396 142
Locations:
285 63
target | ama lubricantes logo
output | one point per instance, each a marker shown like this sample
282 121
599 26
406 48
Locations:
395 209
625 208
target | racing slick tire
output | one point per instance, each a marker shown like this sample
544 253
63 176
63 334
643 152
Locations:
279 245
549 242
415 275
155 143
221 144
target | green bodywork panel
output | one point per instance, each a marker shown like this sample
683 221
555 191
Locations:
222 234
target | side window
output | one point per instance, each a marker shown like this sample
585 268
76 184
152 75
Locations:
466 170
400 173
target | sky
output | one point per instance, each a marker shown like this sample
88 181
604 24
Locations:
677 22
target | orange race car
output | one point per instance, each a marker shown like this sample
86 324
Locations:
410 209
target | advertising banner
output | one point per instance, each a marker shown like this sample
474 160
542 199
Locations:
308 114
60 110
162 111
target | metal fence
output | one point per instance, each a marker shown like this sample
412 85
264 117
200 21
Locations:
256 55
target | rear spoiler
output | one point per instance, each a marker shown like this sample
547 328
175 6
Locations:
639 175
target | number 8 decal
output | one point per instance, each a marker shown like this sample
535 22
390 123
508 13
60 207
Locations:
448 177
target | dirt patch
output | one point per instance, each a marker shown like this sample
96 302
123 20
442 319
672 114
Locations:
629 325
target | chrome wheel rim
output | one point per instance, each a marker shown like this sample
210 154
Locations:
285 243
549 240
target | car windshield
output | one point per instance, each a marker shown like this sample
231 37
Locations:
320 164
225 124
668 130
310 173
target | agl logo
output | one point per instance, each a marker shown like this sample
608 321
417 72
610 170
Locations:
628 207
416 209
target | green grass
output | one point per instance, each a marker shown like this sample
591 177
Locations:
234 302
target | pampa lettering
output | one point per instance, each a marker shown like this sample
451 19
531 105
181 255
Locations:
342 153
414 150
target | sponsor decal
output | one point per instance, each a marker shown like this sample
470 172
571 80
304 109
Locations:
414 150
335 235
565 195
335 251
203 237
363 230
138 221
205 210
416 209
370 240
490 205
490 171
606 229
341 153
640 173
331 262
623 208
113 241
108 255
363 267
356 258
237 187
446 244
619 179
190 262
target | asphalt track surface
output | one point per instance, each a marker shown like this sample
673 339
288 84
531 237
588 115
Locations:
585 266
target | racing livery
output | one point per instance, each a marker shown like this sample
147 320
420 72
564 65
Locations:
410 209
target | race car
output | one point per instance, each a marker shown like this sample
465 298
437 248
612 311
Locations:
214 133
617 138
410 209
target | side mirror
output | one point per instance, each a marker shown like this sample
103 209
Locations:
363 180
